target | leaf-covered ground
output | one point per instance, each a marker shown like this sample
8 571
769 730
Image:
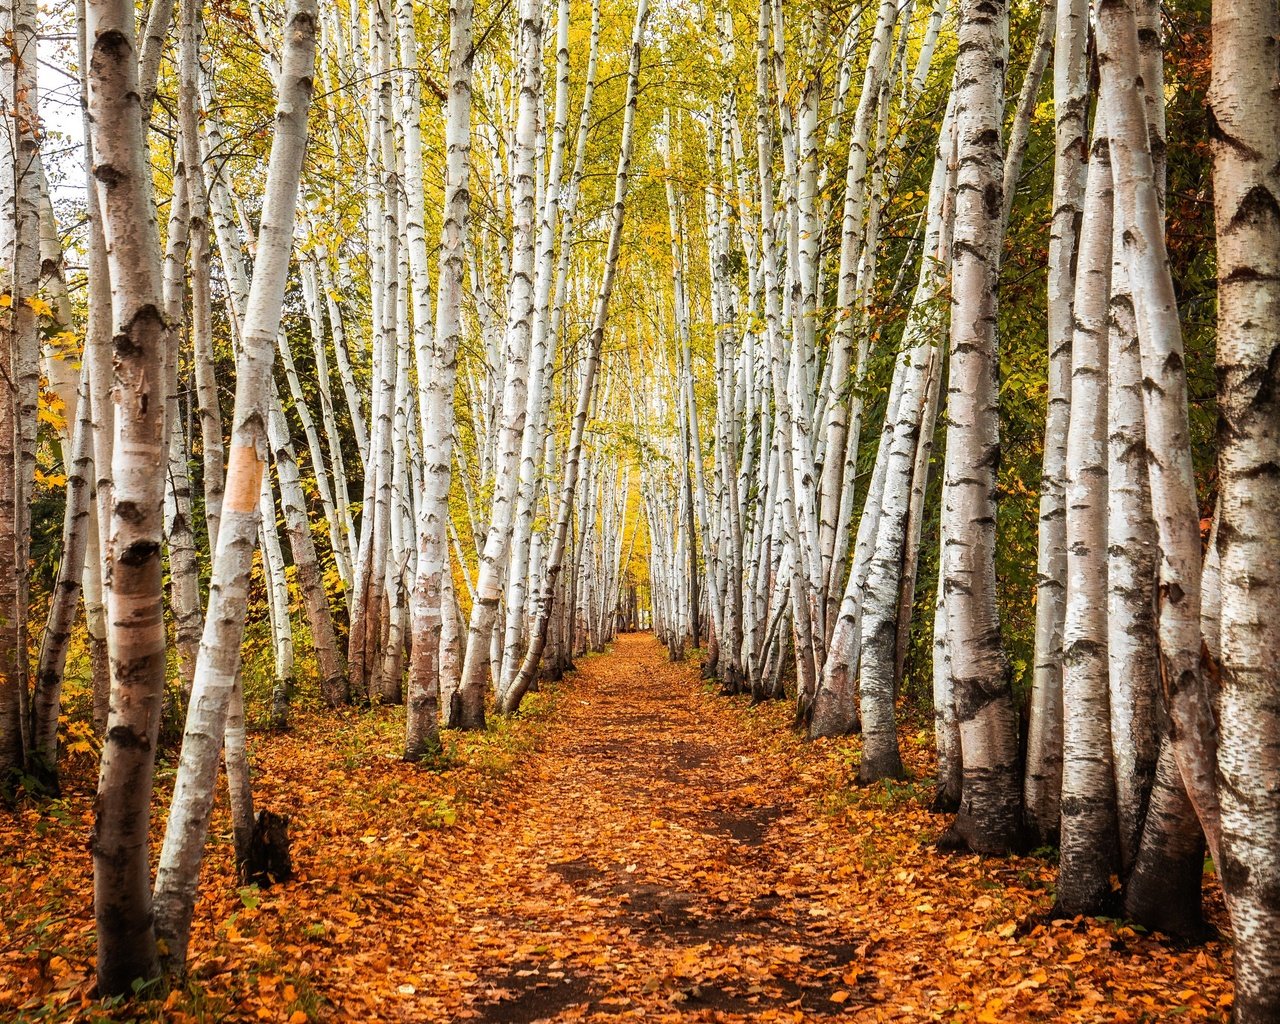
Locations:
637 846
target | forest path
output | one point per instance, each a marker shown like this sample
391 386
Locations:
638 847
661 863
670 854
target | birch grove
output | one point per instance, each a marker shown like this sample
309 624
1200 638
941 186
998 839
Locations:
908 362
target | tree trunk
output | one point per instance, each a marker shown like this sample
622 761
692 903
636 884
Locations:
1246 180
1137 714
1041 790
142 339
46 703
546 599
517 340
432 607
990 804
333 674
1162 891
1088 846
218 664
1173 496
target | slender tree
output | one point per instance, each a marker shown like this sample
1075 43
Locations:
555 560
1088 846
1071 146
142 338
218 664
432 609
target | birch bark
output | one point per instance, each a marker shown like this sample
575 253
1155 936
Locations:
432 608
1088 854
219 659
1173 497
555 560
1246 179
1043 784
142 337
518 338
990 804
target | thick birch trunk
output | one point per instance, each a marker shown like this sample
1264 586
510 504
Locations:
1137 714
142 338
1088 854
1246 183
990 803
1173 496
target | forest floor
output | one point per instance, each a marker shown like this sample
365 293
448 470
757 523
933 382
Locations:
636 846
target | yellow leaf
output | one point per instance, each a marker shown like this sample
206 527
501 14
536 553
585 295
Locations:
298 1017
39 306
838 997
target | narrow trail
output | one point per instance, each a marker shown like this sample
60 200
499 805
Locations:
672 855
653 832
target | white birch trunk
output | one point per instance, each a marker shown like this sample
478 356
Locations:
219 660
555 559
1246 181
142 336
1043 782
432 668
517 341
1173 497
990 805
1088 852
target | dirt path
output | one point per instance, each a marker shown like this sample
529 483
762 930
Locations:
662 853
672 855
653 834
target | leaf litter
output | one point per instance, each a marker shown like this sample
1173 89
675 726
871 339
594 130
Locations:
637 846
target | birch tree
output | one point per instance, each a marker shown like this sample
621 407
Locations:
142 337
555 559
432 609
990 802
517 340
1071 103
218 664
1089 827
1246 164
1169 467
